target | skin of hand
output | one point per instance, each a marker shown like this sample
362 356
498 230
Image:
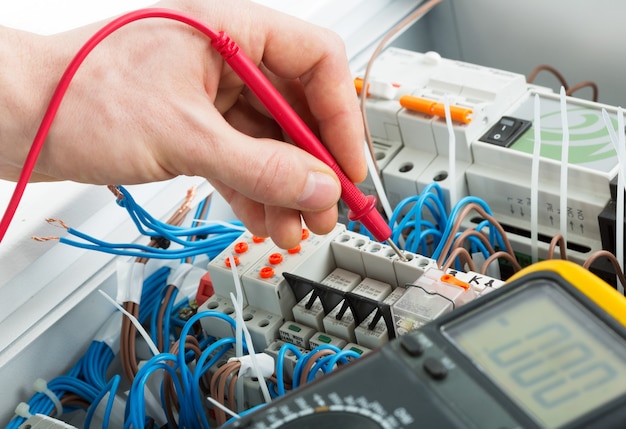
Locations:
154 101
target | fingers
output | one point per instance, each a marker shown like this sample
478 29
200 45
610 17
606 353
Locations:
320 63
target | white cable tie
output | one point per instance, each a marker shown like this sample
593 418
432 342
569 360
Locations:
177 276
130 277
23 410
564 168
223 408
265 361
246 333
109 332
239 324
534 184
451 151
142 331
41 386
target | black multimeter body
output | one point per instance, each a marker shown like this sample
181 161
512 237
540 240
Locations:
541 352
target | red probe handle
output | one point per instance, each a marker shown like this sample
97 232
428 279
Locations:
362 208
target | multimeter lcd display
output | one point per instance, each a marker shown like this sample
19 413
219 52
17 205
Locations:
547 352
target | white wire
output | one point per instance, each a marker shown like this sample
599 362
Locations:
534 184
564 168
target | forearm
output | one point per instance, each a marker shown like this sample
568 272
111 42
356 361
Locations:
27 77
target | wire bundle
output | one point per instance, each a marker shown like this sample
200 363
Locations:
208 239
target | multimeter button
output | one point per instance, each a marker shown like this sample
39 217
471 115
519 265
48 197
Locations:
435 368
412 346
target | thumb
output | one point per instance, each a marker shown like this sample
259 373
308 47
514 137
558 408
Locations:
273 173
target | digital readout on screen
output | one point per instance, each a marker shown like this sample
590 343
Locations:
547 352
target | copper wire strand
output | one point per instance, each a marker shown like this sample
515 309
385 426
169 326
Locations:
44 239
581 85
557 240
419 12
459 252
612 259
533 74
311 362
497 255
457 225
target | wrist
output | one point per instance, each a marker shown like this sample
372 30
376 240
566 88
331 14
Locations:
28 76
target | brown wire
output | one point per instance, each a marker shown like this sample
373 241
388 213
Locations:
612 259
557 240
457 226
311 362
419 12
128 354
459 252
581 85
218 387
533 74
498 255
162 337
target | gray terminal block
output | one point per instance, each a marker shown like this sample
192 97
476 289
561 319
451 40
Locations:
247 250
340 321
311 312
377 335
264 283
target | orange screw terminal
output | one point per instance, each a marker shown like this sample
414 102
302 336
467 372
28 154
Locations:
294 250
257 239
430 107
275 258
241 247
227 261
451 280
305 234
266 272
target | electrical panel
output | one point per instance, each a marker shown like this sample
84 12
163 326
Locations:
445 132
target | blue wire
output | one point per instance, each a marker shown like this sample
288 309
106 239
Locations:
111 388
297 372
328 363
280 362
453 215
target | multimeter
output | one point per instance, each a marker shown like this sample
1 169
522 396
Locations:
547 350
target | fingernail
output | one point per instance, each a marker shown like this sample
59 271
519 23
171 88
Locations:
320 191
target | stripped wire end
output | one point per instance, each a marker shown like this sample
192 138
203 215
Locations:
57 223
43 239
115 191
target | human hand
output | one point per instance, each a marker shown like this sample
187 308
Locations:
154 101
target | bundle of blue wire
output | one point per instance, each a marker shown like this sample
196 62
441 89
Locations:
87 379
215 236
421 224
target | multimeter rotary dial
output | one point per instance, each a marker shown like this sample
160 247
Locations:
332 410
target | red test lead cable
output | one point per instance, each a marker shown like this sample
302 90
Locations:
362 208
